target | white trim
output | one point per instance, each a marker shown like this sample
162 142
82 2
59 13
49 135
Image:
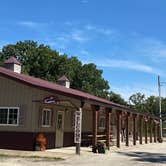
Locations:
49 110
18 113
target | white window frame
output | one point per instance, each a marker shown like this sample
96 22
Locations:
49 110
102 117
18 116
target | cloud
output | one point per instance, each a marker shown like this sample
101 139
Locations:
79 36
127 91
126 64
154 49
84 52
42 27
29 24
104 31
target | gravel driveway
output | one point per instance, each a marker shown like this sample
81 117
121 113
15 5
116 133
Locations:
150 154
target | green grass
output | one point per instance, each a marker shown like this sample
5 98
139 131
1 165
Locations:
34 158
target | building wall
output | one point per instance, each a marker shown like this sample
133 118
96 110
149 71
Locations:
13 94
28 99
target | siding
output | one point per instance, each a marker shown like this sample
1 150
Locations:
13 94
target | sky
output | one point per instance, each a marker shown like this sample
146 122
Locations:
124 38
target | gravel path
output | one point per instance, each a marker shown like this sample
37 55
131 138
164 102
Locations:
140 155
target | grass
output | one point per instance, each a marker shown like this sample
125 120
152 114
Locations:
34 158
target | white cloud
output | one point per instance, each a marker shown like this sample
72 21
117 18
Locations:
84 52
103 31
38 26
154 49
127 91
29 24
126 64
79 36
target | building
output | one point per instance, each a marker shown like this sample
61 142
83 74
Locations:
29 106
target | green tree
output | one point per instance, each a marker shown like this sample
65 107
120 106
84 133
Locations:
43 62
137 101
114 97
92 81
152 105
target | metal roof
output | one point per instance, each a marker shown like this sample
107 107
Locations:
53 87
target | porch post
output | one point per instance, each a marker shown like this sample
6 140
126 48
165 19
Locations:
118 114
158 132
150 125
108 115
134 129
140 129
95 110
127 128
154 131
146 130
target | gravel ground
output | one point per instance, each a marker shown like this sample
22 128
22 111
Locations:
150 154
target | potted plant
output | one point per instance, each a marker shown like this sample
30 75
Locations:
101 147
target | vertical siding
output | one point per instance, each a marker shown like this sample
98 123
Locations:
14 94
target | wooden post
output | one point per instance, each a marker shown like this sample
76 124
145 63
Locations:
127 128
150 125
118 114
140 129
108 115
146 130
158 132
95 110
134 129
155 132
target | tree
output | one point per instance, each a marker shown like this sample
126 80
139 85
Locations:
147 105
114 97
137 101
92 81
152 105
43 62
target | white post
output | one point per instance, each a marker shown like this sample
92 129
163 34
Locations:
77 131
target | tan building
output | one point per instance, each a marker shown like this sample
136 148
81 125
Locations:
29 106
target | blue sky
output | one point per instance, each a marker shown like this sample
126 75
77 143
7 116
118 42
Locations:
126 39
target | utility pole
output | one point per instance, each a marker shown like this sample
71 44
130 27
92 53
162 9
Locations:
159 90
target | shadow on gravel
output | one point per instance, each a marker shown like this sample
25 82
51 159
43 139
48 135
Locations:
146 156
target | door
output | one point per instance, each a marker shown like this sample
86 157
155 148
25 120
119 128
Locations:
59 129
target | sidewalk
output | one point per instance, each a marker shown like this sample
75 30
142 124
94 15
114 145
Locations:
66 152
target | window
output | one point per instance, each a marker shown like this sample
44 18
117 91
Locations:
9 115
46 117
101 122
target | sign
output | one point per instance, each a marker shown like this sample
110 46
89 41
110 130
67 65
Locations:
78 125
50 100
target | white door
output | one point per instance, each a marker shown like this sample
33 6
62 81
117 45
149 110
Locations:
59 129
